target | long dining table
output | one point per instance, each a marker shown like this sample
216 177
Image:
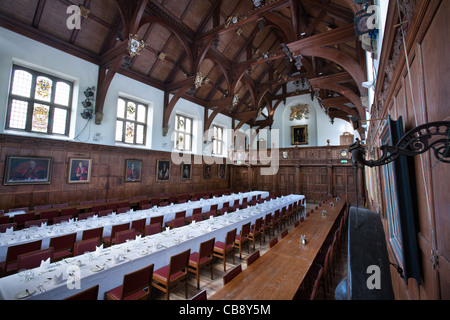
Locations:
46 232
278 274
107 266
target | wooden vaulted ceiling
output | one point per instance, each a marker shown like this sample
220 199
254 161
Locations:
257 56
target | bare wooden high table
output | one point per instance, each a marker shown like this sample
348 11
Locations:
278 273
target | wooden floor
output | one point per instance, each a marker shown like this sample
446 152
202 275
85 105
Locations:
211 286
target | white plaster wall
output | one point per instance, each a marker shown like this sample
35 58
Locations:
320 128
21 50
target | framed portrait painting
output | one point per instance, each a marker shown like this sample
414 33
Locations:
133 170
79 170
27 170
163 170
299 135
222 171
207 168
186 171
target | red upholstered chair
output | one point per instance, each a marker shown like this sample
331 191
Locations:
33 259
275 222
104 213
155 201
138 226
20 219
197 217
125 235
221 249
169 276
111 206
202 259
110 240
266 226
124 204
37 223
152 229
4 219
177 223
316 286
255 232
43 207
98 207
273 242
146 206
144 202
253 257
206 215
236 205
61 219
242 239
63 246
71 212
60 205
83 246
96 233
164 204
283 217
284 233
85 215
178 215
232 274
135 286
5 226
214 207
9 266
86 295
157 219
49 214
200 296
123 210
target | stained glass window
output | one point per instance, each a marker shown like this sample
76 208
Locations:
131 124
183 133
39 102
39 122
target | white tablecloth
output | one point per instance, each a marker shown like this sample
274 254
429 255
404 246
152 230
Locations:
45 233
156 249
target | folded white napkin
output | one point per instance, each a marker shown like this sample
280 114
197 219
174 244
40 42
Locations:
45 264
138 238
9 230
167 229
58 279
98 250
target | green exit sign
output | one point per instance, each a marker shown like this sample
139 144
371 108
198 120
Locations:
344 161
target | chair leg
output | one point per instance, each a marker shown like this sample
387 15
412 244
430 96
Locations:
198 279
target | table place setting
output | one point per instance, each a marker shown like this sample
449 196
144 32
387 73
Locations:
107 266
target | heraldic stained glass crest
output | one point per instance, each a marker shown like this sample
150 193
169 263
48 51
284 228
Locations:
299 112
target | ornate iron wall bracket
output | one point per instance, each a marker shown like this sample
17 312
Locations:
433 135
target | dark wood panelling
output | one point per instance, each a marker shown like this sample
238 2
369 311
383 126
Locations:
419 97
107 179
315 172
